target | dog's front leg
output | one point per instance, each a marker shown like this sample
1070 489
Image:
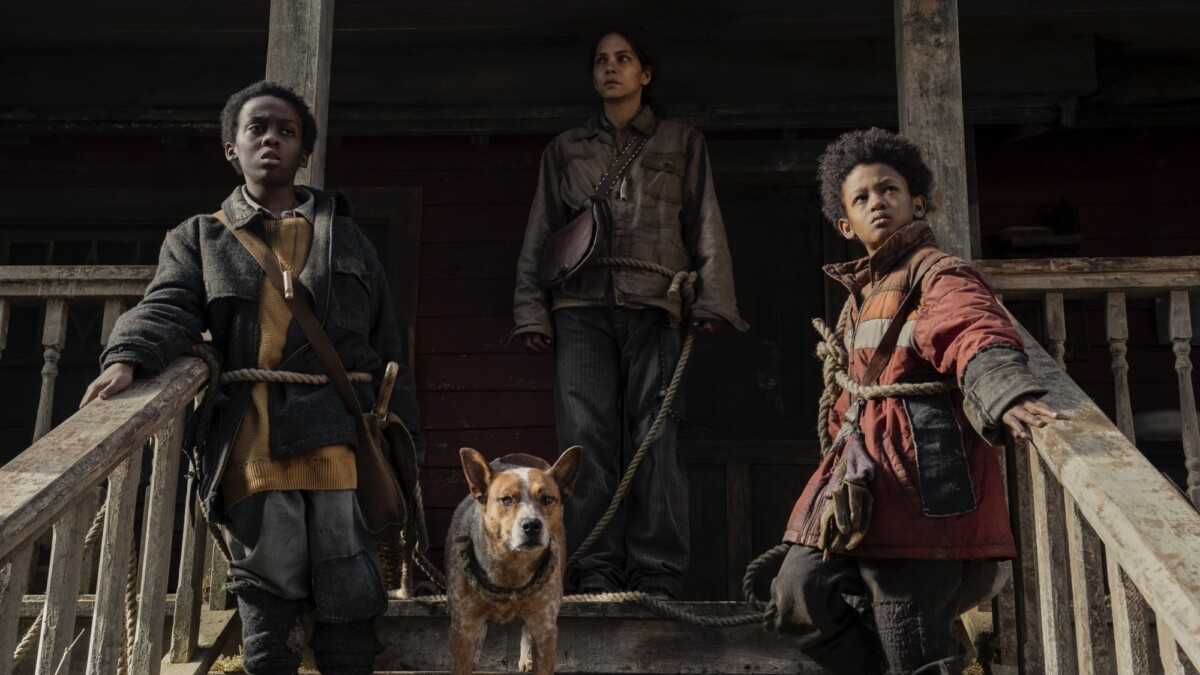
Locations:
539 642
466 639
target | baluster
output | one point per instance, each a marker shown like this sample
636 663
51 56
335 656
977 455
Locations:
218 575
1174 661
1056 328
54 335
185 628
145 654
1130 622
62 589
14 577
113 309
1117 326
5 313
1027 641
1181 344
1092 640
108 619
1054 591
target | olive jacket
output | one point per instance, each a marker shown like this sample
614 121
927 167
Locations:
664 210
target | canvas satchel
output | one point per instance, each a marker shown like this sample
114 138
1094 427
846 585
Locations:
568 249
385 456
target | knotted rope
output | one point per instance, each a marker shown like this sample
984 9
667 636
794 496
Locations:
835 362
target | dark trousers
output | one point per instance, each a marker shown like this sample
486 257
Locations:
612 369
903 623
297 549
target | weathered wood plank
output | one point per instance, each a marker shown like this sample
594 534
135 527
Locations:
62 589
740 535
145 653
74 281
929 83
1090 276
14 577
1144 523
218 574
1130 622
298 50
1028 638
1054 591
1174 661
1092 641
73 458
1181 344
1056 327
1117 328
185 629
108 619
54 338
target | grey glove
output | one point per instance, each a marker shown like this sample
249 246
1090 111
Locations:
847 511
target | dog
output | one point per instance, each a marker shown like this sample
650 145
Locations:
505 554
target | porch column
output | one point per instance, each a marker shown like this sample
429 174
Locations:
298 53
929 82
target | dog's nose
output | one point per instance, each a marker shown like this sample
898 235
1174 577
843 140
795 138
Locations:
531 525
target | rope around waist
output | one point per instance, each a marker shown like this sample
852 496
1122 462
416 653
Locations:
283 376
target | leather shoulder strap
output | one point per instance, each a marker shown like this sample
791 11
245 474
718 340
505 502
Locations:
887 345
303 314
619 166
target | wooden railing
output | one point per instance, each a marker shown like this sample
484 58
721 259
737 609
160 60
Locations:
56 288
1112 280
1090 510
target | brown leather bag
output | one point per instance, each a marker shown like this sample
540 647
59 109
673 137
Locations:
568 249
385 456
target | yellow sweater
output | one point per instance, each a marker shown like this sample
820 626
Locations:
251 468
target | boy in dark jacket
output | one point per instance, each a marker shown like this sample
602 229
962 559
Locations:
912 517
278 472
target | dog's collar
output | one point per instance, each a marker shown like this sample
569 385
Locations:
478 579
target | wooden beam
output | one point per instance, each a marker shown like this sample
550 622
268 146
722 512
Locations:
298 54
929 84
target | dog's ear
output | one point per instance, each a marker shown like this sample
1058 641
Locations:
478 473
566 470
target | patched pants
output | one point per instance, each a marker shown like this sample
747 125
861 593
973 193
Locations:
612 369
301 549
903 623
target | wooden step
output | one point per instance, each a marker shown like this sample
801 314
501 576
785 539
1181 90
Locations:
597 637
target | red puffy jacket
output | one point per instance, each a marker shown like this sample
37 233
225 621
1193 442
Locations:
937 488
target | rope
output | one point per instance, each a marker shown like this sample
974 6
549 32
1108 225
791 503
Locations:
682 288
261 375
35 629
835 363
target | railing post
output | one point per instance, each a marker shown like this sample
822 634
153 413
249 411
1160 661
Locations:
145 654
1117 327
1028 638
1054 593
1130 626
1093 646
54 336
108 618
1181 344
14 577
185 628
62 589
1056 328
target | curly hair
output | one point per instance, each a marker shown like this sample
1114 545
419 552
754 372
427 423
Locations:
869 146
233 110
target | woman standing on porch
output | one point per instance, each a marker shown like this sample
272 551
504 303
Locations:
615 334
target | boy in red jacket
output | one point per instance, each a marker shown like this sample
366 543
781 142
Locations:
907 510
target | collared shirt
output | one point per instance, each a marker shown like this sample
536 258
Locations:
306 208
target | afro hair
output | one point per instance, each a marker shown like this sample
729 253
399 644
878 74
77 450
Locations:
233 110
869 146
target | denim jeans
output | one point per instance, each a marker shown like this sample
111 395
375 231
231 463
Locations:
298 548
612 369
907 610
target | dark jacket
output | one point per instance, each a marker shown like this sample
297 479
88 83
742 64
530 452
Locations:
937 488
664 210
206 280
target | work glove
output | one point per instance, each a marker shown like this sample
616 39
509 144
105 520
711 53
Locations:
847 511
